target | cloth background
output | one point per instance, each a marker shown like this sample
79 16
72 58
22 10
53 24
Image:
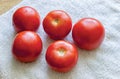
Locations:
101 63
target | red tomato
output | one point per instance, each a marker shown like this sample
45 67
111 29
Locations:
27 46
26 18
88 33
57 24
61 56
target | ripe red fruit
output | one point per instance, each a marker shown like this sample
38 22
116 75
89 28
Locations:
88 33
57 24
27 46
26 19
62 56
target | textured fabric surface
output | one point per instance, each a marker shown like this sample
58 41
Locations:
101 63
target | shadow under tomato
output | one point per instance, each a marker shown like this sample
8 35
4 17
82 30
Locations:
52 74
17 65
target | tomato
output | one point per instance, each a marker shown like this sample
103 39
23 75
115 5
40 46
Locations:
88 33
57 24
26 18
27 46
61 56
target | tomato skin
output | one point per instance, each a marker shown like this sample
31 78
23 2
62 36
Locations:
27 46
88 33
57 24
61 56
26 19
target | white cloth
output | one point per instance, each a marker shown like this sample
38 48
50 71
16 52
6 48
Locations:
101 63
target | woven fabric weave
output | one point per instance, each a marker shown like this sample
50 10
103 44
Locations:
101 63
